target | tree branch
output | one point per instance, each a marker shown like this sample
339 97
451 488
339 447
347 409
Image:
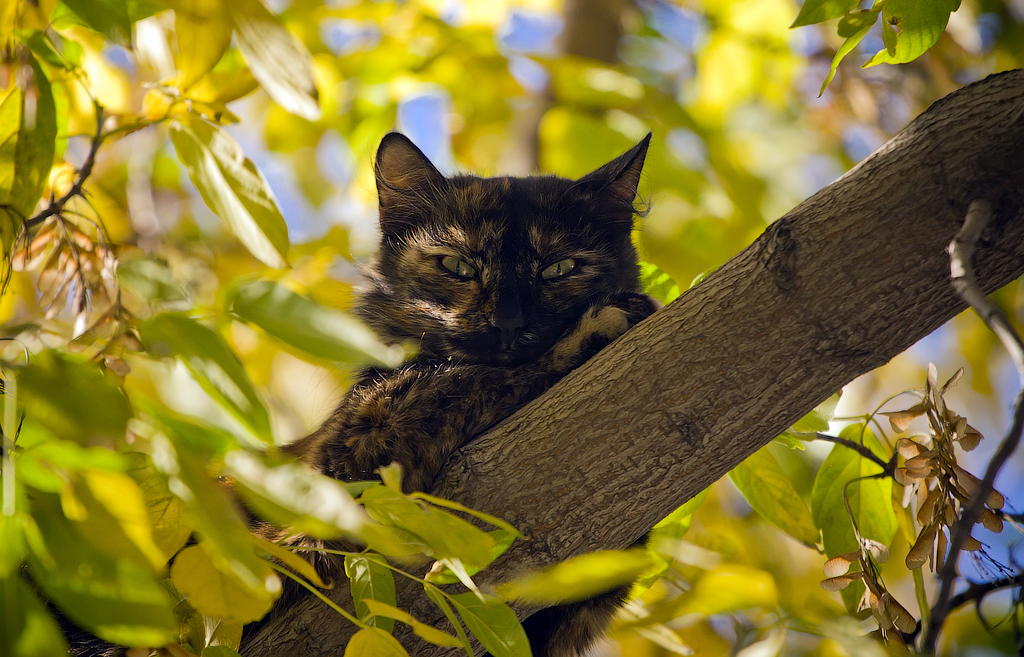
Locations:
837 287
857 447
960 251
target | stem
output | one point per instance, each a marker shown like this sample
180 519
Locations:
323 598
57 206
857 447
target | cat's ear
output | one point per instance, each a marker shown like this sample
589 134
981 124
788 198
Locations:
405 180
616 182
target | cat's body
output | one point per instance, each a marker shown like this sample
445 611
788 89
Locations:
505 285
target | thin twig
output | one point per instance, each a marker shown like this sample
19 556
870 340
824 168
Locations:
978 590
960 250
857 447
55 207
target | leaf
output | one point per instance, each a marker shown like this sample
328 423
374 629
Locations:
26 628
921 23
310 327
151 278
372 581
493 624
578 578
438 599
294 495
818 419
209 509
27 144
854 26
870 499
675 525
729 588
219 651
658 284
73 399
203 34
214 593
375 642
447 536
215 366
278 60
117 521
232 187
113 18
819 11
769 491
290 559
117 600
382 611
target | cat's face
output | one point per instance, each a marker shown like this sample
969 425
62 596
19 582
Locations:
495 270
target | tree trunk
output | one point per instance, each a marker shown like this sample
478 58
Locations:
837 287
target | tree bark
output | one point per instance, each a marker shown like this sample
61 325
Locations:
843 283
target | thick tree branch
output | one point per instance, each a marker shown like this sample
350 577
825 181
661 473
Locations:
837 287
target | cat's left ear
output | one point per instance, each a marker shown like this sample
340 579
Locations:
617 181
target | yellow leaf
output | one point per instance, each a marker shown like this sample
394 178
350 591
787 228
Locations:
214 593
204 33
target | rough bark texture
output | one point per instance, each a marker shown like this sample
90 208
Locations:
837 287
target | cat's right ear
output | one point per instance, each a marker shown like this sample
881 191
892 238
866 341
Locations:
406 180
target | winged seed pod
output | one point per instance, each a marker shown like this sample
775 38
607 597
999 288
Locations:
932 474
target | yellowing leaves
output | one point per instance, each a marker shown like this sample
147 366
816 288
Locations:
213 592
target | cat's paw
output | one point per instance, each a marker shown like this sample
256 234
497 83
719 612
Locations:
599 326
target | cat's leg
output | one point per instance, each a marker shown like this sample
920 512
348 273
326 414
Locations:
419 414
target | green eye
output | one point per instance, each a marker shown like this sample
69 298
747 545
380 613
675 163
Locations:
457 267
560 268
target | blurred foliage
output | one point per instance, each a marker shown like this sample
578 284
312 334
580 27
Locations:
186 195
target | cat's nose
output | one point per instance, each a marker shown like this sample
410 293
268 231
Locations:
509 320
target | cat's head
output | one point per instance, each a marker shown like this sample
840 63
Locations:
495 270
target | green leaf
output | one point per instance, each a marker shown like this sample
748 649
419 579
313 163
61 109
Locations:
293 495
376 642
27 143
371 582
675 525
769 492
210 510
232 187
870 500
308 326
790 440
113 18
12 537
819 11
382 611
578 578
438 599
151 278
278 60
446 535
921 23
657 283
854 26
26 628
116 599
212 592
215 366
493 624
73 399
818 419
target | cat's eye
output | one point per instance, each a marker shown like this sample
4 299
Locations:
560 268
457 267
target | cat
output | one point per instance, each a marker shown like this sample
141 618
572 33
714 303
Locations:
504 285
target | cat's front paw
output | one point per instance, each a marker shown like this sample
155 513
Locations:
599 326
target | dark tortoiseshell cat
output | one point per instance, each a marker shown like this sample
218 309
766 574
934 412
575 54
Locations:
506 285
